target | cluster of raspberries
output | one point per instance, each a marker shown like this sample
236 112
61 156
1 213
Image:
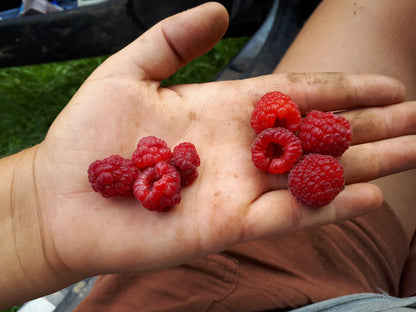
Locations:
306 148
154 174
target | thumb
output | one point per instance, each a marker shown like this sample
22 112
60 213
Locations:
169 45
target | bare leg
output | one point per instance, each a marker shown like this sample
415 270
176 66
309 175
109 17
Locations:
365 36
358 36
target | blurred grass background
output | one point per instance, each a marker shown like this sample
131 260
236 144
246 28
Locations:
32 96
13 309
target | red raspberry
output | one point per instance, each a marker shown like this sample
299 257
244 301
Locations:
112 176
325 133
158 187
150 150
275 150
316 180
185 159
275 109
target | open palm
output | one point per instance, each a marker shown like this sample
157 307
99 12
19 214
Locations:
230 202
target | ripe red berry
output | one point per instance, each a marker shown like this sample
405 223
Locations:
150 150
316 179
112 176
185 159
325 133
158 187
275 150
275 109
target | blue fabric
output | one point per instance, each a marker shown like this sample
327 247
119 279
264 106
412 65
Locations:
364 302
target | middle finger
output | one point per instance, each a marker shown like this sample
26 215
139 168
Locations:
384 141
378 123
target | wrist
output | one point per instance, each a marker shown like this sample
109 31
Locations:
14 219
29 269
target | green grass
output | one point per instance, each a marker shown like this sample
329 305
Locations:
32 96
14 309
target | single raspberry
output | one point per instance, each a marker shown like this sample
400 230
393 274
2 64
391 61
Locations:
185 159
158 187
112 176
316 179
275 150
150 150
275 109
325 133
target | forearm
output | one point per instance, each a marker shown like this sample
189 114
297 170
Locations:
12 281
26 273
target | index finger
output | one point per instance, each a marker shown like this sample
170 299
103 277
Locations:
330 91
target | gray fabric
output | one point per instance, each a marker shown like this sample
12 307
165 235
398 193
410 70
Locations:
365 302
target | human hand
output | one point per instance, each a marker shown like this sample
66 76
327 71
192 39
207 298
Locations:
79 233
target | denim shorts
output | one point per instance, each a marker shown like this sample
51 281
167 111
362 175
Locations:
365 302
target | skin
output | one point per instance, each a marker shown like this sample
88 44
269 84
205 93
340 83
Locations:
56 230
368 36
